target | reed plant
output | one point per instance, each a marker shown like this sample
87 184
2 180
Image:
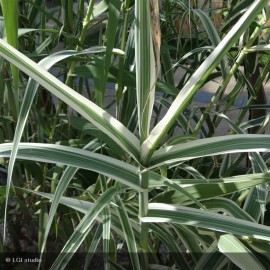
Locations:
104 131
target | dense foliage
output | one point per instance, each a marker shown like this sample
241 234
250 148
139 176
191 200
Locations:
106 146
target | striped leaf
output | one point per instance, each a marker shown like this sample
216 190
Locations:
51 153
238 253
238 143
159 212
145 67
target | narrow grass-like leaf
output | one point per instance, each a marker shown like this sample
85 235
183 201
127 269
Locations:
167 64
157 180
93 246
211 146
128 232
261 247
259 48
43 218
51 153
205 191
211 259
230 207
106 224
186 193
78 205
99 9
158 212
252 204
82 229
145 67
238 253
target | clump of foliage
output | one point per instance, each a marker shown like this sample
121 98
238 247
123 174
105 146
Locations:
105 143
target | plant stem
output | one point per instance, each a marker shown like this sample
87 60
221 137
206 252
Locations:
143 209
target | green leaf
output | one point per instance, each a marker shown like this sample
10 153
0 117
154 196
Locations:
51 153
93 246
207 190
78 205
106 224
157 180
145 67
128 232
159 212
228 206
238 253
259 48
238 143
186 193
